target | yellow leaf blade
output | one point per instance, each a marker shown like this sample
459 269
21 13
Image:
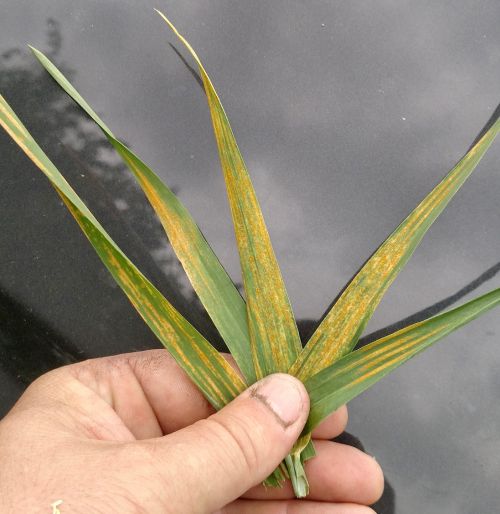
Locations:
205 366
208 277
341 328
274 336
351 375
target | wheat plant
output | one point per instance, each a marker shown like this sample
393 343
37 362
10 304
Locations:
260 330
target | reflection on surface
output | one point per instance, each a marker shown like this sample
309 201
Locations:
347 115
29 346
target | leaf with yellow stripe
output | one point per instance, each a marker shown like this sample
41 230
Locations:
274 337
204 365
351 375
340 330
273 332
209 279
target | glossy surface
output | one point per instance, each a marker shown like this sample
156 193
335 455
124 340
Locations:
347 115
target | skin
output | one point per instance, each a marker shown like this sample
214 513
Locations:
131 434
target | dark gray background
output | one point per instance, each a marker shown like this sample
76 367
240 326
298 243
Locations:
347 114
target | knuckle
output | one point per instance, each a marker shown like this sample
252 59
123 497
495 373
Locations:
150 362
235 437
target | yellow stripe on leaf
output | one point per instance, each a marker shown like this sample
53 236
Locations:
209 279
351 375
340 330
274 336
206 367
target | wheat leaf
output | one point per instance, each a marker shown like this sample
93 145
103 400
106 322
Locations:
274 336
205 366
209 279
351 375
340 330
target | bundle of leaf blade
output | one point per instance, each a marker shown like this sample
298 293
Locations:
261 333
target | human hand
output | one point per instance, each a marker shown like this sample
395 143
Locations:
132 434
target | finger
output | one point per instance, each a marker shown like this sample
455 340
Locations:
98 398
338 473
175 399
293 507
148 390
153 396
217 459
333 425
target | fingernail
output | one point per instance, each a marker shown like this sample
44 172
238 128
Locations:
282 395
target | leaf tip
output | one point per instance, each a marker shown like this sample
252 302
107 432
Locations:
181 38
39 55
167 21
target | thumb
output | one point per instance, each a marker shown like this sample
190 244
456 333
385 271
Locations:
217 459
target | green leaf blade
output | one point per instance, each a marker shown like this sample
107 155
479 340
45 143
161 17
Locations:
209 279
205 366
351 375
274 336
61 79
340 330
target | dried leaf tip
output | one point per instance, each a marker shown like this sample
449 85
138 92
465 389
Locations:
180 36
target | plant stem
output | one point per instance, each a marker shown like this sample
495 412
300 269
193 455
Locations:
297 475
